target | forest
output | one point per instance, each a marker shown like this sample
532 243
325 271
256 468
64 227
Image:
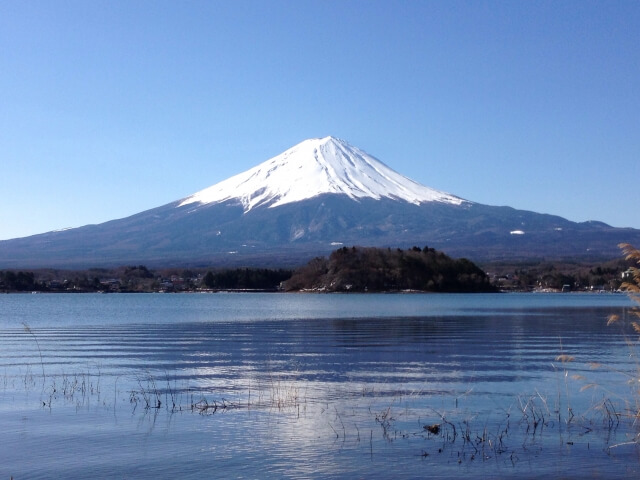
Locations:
369 269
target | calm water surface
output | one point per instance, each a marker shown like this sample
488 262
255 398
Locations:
315 386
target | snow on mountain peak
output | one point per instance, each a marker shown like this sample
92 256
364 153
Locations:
314 167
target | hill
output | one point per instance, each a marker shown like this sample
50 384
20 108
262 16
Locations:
359 269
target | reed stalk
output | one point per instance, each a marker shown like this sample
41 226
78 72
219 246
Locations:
27 329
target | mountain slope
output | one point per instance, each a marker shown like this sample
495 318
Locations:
308 201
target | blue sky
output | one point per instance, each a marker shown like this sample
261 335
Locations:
111 107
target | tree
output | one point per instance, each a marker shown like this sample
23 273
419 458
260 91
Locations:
20 282
209 280
632 283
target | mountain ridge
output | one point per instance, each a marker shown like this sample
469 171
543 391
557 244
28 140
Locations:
267 216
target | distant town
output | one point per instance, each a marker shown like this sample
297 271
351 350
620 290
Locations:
132 279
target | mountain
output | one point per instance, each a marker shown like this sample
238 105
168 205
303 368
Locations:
316 167
311 199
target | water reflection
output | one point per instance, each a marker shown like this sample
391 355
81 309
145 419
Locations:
314 396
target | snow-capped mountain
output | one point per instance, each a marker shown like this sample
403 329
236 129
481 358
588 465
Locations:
315 167
308 201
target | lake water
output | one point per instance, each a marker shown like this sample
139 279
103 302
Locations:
316 386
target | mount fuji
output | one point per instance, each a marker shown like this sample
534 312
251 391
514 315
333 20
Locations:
309 200
316 167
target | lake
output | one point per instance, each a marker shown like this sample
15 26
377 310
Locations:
317 386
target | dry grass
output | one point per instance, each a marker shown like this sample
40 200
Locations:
628 322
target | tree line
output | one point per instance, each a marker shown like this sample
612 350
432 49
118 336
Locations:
139 278
246 279
346 269
20 282
556 275
359 269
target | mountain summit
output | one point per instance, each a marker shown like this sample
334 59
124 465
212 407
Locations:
318 195
315 167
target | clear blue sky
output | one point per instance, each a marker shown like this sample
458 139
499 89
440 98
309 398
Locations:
112 107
